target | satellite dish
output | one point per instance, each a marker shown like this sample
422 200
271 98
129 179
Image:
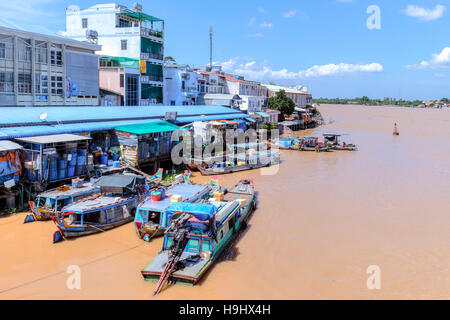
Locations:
43 116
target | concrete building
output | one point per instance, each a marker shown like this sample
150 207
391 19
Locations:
125 33
298 94
181 85
248 96
38 69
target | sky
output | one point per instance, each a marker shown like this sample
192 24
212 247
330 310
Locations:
338 48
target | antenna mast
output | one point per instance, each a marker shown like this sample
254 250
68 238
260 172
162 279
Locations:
210 46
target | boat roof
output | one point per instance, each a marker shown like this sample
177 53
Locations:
59 193
87 205
185 190
201 211
331 135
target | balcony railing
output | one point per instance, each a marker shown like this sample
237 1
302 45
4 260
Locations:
151 33
147 56
148 78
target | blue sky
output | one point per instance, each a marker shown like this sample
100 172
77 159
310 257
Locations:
324 44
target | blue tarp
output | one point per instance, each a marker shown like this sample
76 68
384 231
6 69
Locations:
201 211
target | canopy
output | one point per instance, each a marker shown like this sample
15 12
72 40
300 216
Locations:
6 145
141 16
122 181
151 127
121 62
53 138
263 114
201 211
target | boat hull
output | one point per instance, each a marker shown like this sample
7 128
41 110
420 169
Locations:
86 230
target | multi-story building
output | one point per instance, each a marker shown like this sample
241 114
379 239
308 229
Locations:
298 94
125 33
233 91
181 85
38 69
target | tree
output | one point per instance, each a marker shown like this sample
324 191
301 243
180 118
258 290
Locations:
272 83
282 103
169 59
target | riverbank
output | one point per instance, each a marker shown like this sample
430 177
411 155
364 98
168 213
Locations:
320 222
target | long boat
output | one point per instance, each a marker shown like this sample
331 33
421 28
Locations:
115 205
312 144
152 217
49 204
199 234
332 141
243 162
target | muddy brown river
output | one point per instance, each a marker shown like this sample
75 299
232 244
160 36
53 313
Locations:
321 221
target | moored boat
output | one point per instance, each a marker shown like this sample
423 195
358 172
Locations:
332 141
312 144
115 205
152 218
199 235
49 204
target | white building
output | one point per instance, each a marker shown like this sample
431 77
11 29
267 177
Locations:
299 94
181 85
253 95
127 33
41 69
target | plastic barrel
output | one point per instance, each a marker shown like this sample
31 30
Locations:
79 170
70 171
82 152
81 160
62 164
62 173
73 161
53 174
104 159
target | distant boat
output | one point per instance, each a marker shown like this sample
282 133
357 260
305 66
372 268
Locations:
332 141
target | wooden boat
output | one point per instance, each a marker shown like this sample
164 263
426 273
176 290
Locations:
49 204
287 143
312 144
114 206
152 218
199 234
332 141
242 162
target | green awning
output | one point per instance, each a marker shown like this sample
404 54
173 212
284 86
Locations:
141 16
263 114
107 61
150 127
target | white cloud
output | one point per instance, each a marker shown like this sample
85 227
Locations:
290 13
438 60
256 35
261 9
252 70
423 13
266 25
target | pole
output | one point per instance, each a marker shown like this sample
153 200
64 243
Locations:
210 46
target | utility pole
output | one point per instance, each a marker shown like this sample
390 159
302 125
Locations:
210 46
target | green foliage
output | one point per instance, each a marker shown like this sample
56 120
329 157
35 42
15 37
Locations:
369 102
282 103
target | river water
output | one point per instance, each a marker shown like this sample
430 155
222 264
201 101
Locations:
321 221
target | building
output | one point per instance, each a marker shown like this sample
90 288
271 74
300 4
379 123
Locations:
181 85
119 81
248 96
39 69
125 33
298 94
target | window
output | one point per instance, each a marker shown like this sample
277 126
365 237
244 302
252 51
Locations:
84 23
24 82
57 85
40 53
41 83
193 245
123 44
123 23
6 81
56 57
122 80
205 246
2 50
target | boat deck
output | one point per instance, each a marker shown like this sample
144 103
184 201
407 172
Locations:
69 191
95 203
187 191
190 272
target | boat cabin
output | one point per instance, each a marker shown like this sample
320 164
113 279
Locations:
331 139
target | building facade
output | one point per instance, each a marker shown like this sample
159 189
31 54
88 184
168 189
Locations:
38 70
125 33
298 94
181 85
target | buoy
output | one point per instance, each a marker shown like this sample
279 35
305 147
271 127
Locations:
29 218
396 133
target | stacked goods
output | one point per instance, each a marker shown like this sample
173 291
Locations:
176 198
62 169
53 171
71 163
81 162
219 196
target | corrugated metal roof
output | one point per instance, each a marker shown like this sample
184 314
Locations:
209 118
31 115
7 145
53 138
17 132
151 127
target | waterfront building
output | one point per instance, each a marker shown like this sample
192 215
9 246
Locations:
43 69
299 94
181 85
125 33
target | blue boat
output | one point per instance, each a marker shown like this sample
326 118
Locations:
115 205
152 218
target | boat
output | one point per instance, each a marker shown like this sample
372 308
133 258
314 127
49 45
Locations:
286 143
312 144
152 218
49 204
332 141
199 234
115 205
241 157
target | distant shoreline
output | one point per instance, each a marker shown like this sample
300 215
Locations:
375 105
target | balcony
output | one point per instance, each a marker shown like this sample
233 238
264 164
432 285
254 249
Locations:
151 56
152 34
151 78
